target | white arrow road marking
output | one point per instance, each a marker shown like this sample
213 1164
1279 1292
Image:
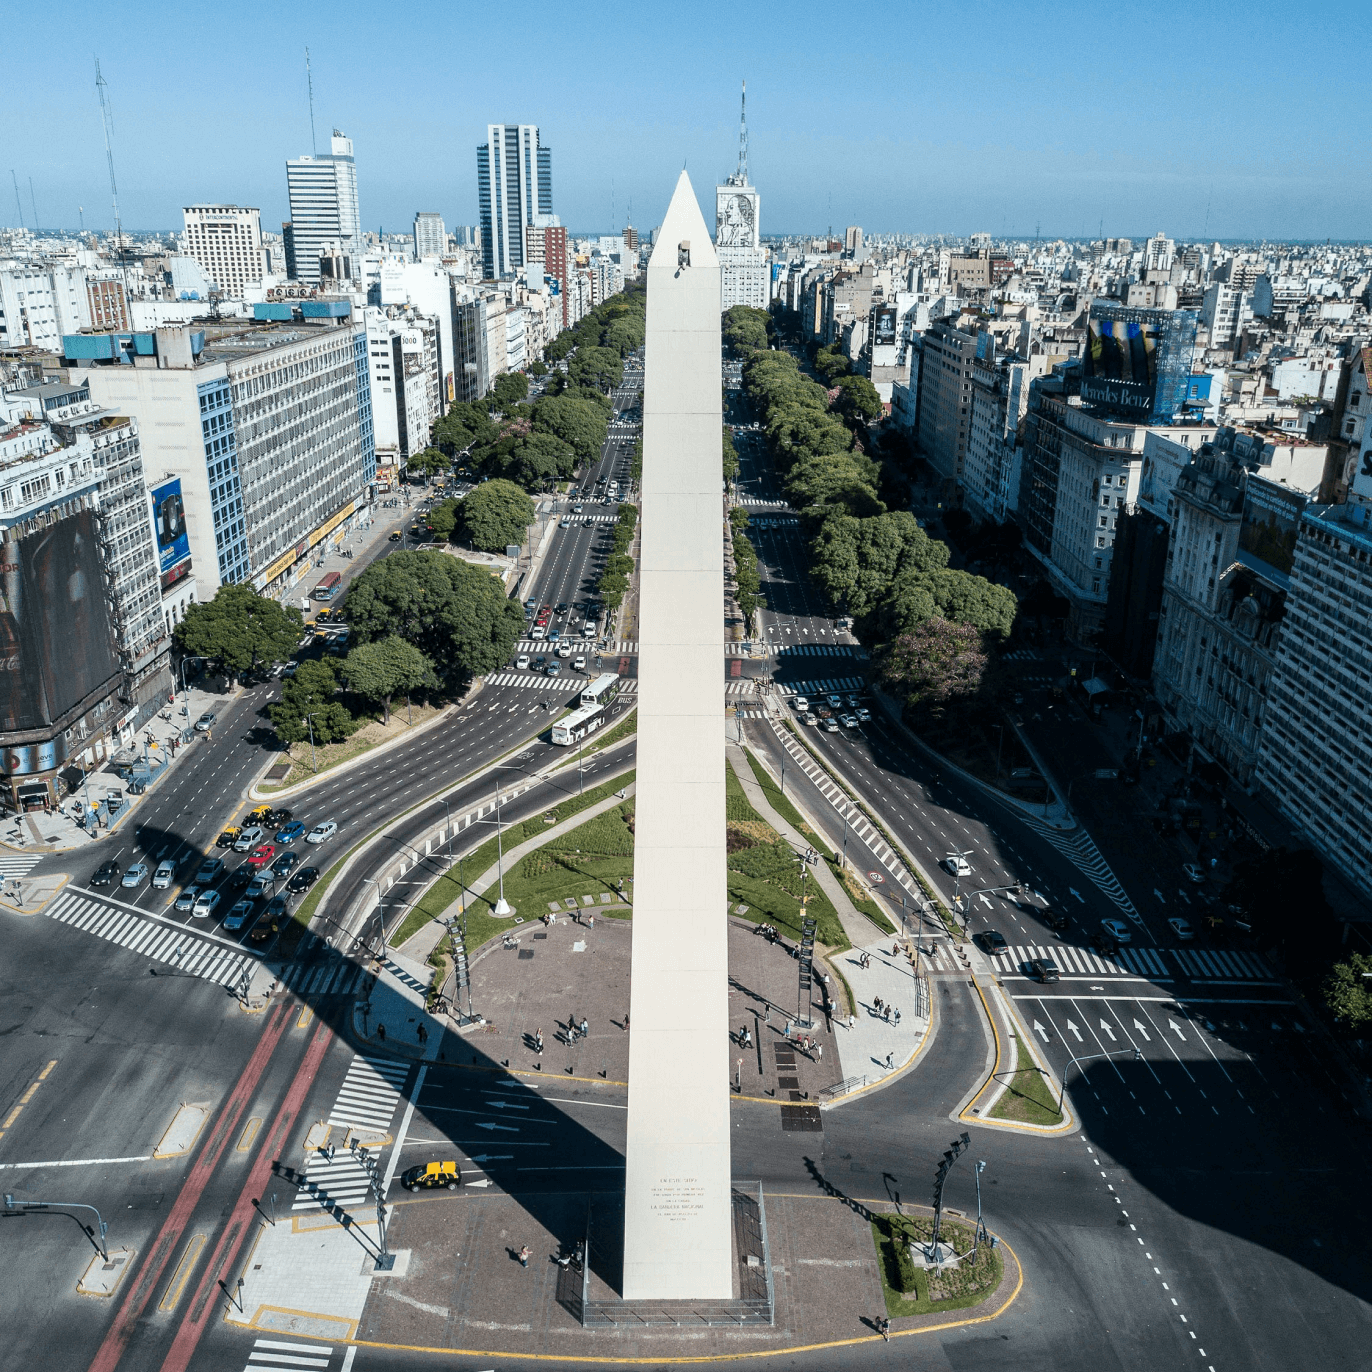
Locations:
1176 1029
505 1105
1076 1031
1185 897
485 1181
984 901
1078 894
1142 1031
504 1128
1109 1031
1159 895
1041 1031
494 1157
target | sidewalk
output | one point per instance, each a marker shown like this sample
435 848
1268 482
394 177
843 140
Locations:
865 1048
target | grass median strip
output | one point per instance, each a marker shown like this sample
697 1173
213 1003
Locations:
1027 1098
911 1290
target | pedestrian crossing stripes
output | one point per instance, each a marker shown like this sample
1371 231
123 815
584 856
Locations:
1158 964
819 650
283 1354
829 686
333 976
18 864
531 682
366 1104
1023 655
753 504
741 713
740 688
577 645
173 944
1077 846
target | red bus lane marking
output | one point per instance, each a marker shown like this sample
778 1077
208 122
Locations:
241 1221
116 1340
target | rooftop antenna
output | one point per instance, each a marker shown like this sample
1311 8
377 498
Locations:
309 85
742 174
106 120
18 202
34 203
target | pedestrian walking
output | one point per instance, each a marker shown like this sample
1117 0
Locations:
538 1040
524 1256
585 1028
897 1016
852 1021
884 1328
590 921
381 1032
877 1004
819 1051
626 1021
890 1062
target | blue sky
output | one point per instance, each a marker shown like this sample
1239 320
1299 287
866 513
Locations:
1195 119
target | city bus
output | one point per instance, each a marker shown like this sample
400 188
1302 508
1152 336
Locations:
327 586
577 725
602 691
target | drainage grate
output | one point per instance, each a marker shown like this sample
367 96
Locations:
525 953
789 1083
801 1119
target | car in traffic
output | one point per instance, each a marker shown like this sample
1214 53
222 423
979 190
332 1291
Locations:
205 723
538 631
239 915
135 876
800 705
321 833
564 650
1044 970
1117 930
262 855
164 875
276 909
289 833
228 837
864 715
240 877
211 869
992 941
431 1176
107 873
830 725
554 669
261 884
302 880
522 662
849 721
811 718
1193 873
579 665
554 635
564 524
205 904
285 864
1181 928
187 897
1054 919
834 702
279 818
261 815
955 864
248 839
395 536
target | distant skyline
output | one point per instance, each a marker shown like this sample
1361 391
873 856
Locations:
859 116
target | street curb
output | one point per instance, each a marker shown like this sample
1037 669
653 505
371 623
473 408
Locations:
64 878
910 1063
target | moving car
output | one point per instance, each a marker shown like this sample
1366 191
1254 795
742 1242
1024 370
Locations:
321 833
561 608
262 855
228 837
554 669
554 635
849 721
164 875
1044 970
238 916
260 885
303 880
135 876
811 719
186 900
564 650
285 864
1117 930
1193 873
280 818
204 724
242 876
260 815
107 873
1182 928
579 665
290 832
957 865
395 537
801 705
864 715
429 1176
248 839
830 726
1054 919
277 908
522 662
210 870
564 524
205 904
992 941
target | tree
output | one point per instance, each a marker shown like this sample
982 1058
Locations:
507 390
581 424
730 457
307 708
747 579
443 518
386 668
427 463
831 363
936 663
953 595
461 427
1348 991
858 402
455 613
625 335
744 328
532 460
239 628
537 368
494 515
600 368
636 461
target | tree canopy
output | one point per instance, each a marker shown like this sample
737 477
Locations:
387 667
428 462
239 628
600 368
308 707
494 515
507 390
745 329
936 663
456 614
582 425
1348 992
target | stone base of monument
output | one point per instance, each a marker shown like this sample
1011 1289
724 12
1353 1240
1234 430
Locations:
806 1272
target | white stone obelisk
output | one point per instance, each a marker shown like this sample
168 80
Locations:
677 1219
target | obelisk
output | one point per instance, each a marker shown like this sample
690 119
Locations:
677 1239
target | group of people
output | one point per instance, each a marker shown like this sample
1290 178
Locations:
768 931
884 1010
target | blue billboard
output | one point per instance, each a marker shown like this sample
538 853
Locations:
169 524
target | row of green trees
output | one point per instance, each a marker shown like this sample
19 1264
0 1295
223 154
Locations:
747 577
490 517
874 563
619 566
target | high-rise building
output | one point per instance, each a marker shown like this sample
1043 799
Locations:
40 303
1137 362
430 237
738 245
547 243
227 242
515 183
323 196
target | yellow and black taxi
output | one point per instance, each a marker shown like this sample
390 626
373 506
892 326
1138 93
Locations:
259 815
430 1175
229 837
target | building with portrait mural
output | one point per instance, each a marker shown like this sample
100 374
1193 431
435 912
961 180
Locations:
743 277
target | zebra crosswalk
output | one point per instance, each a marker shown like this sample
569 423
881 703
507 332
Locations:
194 954
530 681
791 650
1023 655
283 1353
1156 964
332 976
578 645
754 504
1077 846
366 1104
828 686
18 864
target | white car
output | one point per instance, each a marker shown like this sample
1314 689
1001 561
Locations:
564 650
186 900
830 726
248 839
205 904
165 874
538 631
1117 930
135 876
810 718
801 705
957 865
1182 928
564 524
579 665
322 833
238 916
522 661
849 721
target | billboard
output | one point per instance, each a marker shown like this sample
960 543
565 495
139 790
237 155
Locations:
1120 364
884 332
1271 519
169 526
56 643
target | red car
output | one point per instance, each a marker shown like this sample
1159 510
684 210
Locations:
260 857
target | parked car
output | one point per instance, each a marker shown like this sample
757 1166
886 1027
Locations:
321 833
1117 930
135 876
1181 928
238 916
107 873
205 723
164 875
248 839
205 904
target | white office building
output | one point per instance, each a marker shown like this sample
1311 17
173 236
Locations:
430 237
40 303
324 213
226 241
515 184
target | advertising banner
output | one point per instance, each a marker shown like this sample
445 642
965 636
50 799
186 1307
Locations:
1120 367
56 643
885 330
169 521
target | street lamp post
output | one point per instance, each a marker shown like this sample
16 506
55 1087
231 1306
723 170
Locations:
309 724
102 1227
1091 1057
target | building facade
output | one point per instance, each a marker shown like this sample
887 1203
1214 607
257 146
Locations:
945 400
514 175
39 304
430 237
226 241
324 209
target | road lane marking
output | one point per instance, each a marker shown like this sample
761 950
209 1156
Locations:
177 1286
72 1162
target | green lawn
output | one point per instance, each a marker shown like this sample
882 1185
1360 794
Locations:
1027 1097
911 1290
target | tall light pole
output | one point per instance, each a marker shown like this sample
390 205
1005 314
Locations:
1091 1057
309 724
102 1228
